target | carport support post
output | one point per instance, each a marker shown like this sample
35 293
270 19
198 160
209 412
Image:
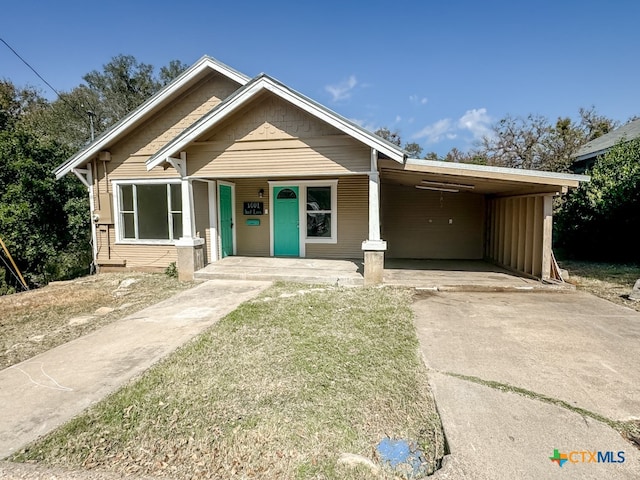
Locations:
547 236
374 247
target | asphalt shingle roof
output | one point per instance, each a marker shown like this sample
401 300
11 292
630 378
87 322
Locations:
628 132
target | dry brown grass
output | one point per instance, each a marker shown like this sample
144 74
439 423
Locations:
610 281
280 388
35 321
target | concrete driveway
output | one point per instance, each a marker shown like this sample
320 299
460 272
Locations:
572 347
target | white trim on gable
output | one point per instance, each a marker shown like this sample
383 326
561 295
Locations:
121 127
252 89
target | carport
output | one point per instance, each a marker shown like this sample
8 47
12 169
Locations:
454 211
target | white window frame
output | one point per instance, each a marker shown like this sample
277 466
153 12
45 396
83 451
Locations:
302 210
333 212
117 200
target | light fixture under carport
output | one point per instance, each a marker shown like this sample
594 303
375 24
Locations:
447 184
437 189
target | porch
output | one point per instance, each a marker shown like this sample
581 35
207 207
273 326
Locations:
468 275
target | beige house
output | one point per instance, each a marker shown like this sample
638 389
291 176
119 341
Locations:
218 164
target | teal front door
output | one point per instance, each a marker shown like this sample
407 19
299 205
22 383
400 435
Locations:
226 221
286 233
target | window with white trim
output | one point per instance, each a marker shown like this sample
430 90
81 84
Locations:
150 211
319 212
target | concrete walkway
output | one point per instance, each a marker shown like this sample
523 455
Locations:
569 346
42 393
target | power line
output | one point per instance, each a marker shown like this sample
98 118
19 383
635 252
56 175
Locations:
73 107
28 65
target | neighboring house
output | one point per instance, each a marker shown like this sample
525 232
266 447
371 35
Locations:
590 151
219 164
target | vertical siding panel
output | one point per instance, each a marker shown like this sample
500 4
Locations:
501 230
514 233
530 231
537 236
508 215
522 232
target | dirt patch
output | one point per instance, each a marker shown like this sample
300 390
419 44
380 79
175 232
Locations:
610 281
35 321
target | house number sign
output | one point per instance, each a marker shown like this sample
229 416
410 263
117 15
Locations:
253 208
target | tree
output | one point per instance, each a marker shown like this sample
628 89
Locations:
171 71
598 221
413 149
516 142
594 125
44 223
532 142
108 96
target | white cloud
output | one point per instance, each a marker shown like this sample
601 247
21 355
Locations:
367 125
398 118
342 91
417 100
436 131
477 121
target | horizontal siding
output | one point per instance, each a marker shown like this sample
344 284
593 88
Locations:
174 118
301 161
136 256
201 214
353 221
252 241
415 223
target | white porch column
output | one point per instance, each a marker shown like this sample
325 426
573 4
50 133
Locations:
189 249
374 247
188 222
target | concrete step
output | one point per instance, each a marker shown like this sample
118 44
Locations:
331 277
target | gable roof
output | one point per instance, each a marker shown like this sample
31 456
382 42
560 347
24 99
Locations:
260 84
600 145
175 87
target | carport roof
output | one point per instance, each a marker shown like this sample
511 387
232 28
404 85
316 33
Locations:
480 179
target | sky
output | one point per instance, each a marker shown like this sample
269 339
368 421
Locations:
440 73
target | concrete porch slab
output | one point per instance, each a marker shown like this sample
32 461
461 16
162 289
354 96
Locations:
303 270
440 275
459 275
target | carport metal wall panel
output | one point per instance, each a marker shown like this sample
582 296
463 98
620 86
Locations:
519 233
415 223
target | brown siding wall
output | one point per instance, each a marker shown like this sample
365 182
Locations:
252 241
415 223
353 221
128 158
156 257
201 207
272 137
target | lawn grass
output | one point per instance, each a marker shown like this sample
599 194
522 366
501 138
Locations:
610 281
279 388
35 321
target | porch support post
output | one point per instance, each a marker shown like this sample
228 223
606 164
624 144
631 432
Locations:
374 247
547 236
190 250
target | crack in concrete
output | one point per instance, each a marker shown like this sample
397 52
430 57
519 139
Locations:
625 429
